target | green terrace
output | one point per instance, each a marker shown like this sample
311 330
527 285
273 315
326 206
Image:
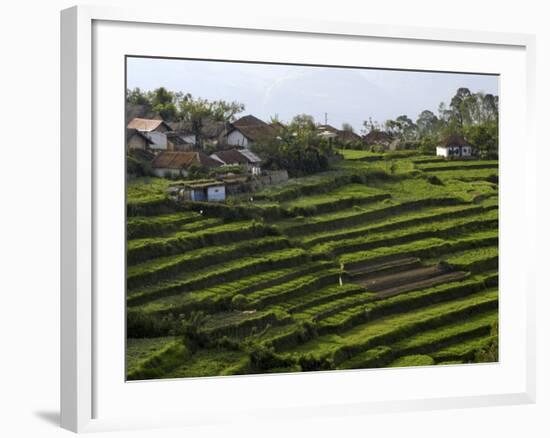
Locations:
387 260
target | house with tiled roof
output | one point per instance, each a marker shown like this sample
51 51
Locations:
239 157
177 164
249 130
454 146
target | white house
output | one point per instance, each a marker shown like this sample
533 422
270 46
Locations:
155 130
242 157
454 146
248 130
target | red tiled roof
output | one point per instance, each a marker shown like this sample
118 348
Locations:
183 160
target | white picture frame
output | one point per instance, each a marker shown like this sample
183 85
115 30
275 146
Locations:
84 377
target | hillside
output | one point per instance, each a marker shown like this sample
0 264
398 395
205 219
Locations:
386 260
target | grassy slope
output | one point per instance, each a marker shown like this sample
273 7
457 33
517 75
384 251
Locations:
347 211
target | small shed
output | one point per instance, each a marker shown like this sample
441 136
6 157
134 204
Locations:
204 190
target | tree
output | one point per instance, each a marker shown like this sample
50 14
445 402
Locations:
485 139
402 127
347 127
370 125
136 97
162 102
459 106
303 122
196 111
297 148
427 123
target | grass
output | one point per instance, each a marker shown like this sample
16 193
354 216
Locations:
443 228
364 336
261 283
416 360
462 352
160 268
429 247
212 276
430 214
144 249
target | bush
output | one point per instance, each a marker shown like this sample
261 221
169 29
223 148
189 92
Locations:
433 179
239 302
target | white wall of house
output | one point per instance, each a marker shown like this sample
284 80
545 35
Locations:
189 138
454 151
160 141
236 138
442 151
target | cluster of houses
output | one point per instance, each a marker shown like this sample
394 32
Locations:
173 152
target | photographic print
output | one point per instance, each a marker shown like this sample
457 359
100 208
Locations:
292 218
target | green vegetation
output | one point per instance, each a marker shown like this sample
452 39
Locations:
384 260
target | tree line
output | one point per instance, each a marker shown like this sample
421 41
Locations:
473 115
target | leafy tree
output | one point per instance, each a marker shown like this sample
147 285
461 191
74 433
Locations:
137 97
347 127
427 123
162 101
297 148
303 122
485 138
196 111
370 125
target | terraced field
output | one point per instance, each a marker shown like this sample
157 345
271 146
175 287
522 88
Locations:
386 260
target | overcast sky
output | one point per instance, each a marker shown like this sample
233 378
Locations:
345 94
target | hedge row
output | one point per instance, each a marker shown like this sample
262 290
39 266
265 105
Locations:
247 266
399 237
162 268
360 217
147 226
295 288
139 251
347 351
428 248
402 303
160 362
150 206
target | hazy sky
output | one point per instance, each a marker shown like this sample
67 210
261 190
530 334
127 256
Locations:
345 94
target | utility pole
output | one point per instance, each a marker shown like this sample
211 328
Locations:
326 119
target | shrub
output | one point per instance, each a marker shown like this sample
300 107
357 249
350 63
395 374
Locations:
239 302
432 179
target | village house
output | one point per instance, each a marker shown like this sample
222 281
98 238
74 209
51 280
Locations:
158 133
177 164
212 132
379 138
454 146
249 130
329 132
239 157
136 140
